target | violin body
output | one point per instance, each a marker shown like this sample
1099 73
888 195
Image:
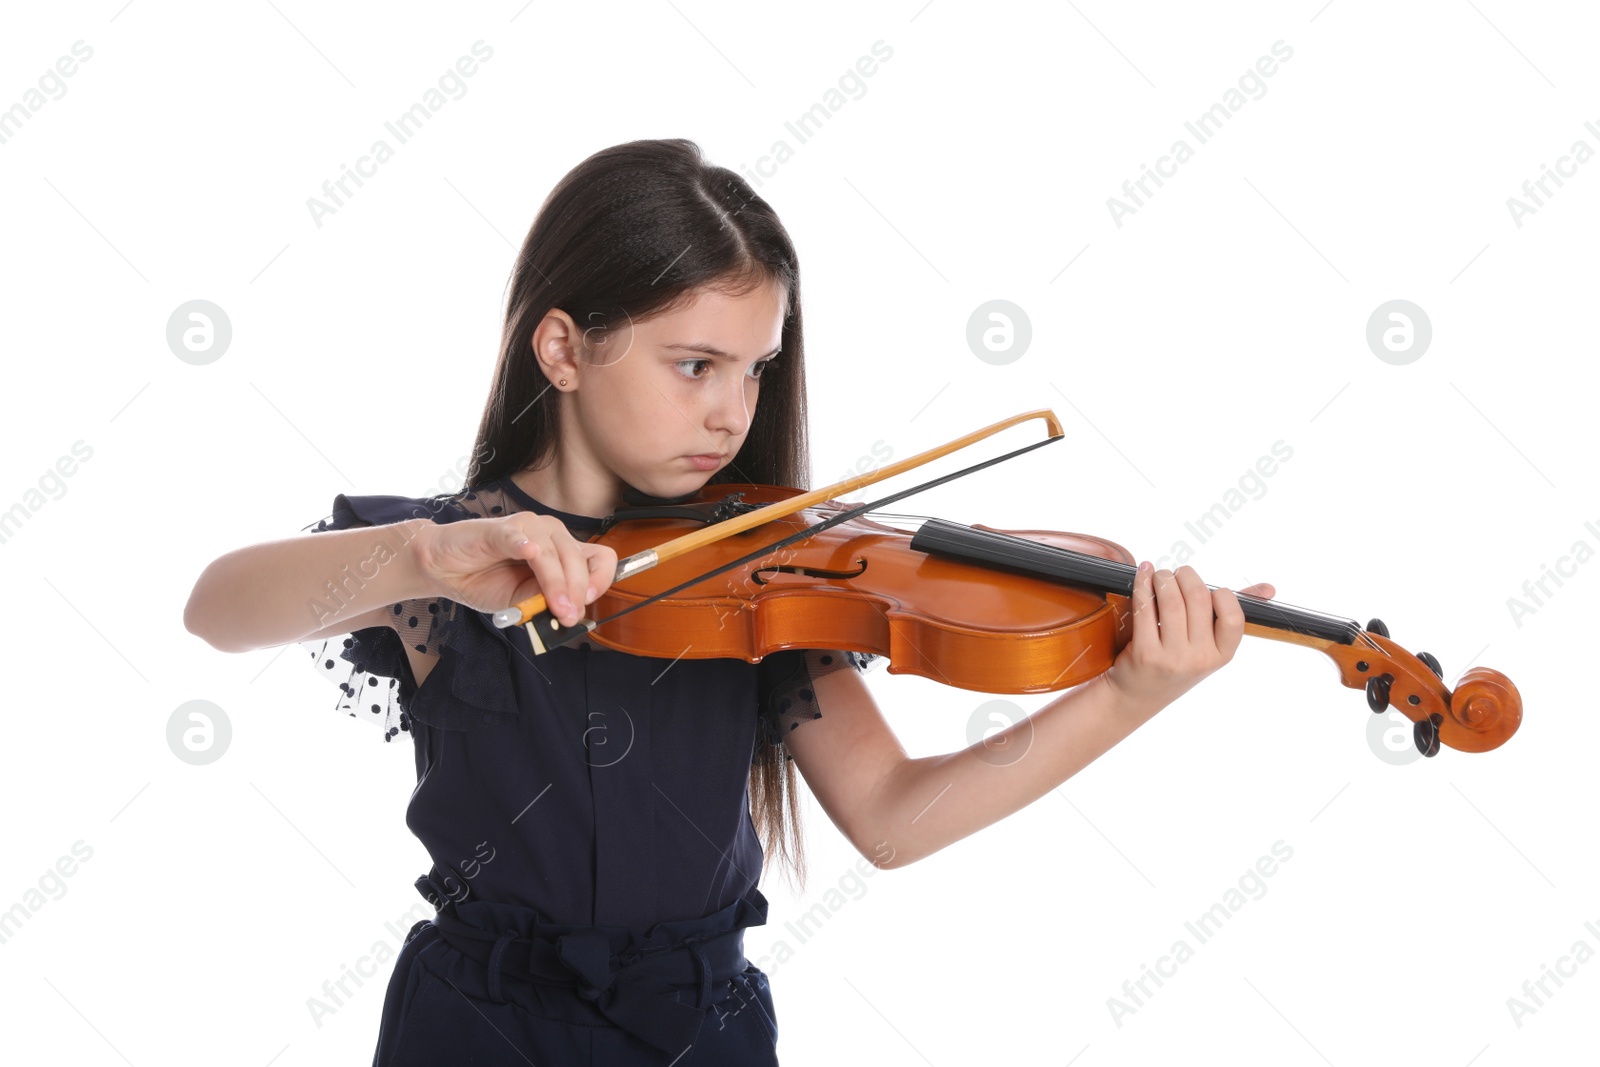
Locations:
860 586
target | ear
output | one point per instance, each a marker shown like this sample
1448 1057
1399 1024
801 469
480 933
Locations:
556 344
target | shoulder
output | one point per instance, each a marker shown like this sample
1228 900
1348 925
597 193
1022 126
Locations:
382 509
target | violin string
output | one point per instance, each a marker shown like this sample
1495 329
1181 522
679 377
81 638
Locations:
1362 633
876 515
1287 612
1267 602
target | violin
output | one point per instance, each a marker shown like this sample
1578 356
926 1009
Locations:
758 569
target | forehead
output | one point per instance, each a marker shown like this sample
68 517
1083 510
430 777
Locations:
747 325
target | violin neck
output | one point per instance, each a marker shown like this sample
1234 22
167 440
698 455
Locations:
1023 556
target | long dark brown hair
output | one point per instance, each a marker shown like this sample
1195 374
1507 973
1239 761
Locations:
631 232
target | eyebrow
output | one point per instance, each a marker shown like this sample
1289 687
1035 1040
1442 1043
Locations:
712 350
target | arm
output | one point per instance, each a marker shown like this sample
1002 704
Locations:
313 585
897 810
333 582
934 801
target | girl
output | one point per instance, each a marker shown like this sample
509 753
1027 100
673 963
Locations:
589 812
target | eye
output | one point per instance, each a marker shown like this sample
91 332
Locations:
687 362
759 368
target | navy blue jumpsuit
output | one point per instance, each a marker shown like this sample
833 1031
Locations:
588 817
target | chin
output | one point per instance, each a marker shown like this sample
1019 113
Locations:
671 487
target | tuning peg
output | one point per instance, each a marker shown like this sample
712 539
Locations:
1376 626
1428 658
1378 692
1426 734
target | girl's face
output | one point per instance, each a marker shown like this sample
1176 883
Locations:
654 394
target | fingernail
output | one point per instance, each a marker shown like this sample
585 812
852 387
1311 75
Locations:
1144 565
563 603
589 597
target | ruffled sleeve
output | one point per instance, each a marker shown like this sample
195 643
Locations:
370 665
785 697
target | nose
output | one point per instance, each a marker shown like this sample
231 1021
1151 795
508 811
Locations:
730 410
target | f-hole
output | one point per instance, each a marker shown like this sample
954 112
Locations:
806 572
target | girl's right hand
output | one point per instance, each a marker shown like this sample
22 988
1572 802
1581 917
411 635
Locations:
492 563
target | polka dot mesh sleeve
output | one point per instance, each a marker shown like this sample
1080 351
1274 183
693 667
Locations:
371 668
370 665
468 686
785 695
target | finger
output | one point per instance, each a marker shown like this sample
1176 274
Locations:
525 547
545 562
574 582
1169 608
1196 608
1264 590
602 560
530 544
1230 621
1144 611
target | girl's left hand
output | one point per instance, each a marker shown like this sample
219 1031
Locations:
1182 631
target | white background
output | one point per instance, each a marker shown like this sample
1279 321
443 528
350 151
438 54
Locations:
1228 313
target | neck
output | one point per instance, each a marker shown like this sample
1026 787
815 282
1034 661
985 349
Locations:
573 481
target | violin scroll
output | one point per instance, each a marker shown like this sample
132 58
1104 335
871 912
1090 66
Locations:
1481 714
1488 709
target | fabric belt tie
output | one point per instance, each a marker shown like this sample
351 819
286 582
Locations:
632 988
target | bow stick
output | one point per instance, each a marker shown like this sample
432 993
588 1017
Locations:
535 607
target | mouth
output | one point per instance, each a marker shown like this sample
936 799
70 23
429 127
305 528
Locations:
707 460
